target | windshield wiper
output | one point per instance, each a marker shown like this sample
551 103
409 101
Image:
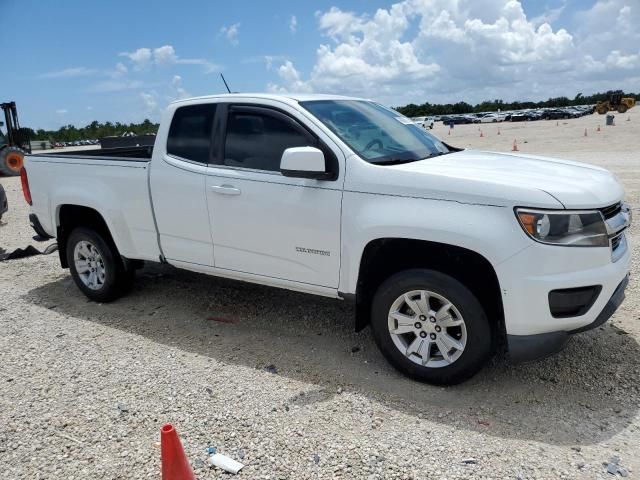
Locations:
395 161
399 161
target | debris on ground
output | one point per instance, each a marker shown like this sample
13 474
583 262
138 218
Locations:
29 251
222 461
613 467
271 368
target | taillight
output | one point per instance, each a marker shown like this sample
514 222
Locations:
25 185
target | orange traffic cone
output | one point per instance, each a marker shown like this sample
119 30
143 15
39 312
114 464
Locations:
598 129
175 465
515 146
585 132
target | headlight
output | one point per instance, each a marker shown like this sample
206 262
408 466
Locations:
568 228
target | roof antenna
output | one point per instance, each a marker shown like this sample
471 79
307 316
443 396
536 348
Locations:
225 83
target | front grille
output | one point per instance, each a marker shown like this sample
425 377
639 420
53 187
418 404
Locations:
611 211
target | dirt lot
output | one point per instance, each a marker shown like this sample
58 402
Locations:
286 386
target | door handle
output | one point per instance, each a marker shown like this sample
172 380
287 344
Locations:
226 189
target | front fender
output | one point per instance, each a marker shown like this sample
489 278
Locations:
491 231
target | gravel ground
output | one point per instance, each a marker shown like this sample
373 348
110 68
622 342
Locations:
284 385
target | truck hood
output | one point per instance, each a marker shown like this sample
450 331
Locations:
503 179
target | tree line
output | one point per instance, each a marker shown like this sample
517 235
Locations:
95 130
413 110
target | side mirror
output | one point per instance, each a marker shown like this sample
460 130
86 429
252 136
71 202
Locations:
304 162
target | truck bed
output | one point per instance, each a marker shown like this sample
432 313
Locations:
113 182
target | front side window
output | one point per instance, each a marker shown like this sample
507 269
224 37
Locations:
190 132
376 133
256 140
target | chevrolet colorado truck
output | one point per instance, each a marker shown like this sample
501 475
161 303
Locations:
448 254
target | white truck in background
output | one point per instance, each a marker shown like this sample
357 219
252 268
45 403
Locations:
448 254
424 122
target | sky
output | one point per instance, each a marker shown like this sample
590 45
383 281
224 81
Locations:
72 61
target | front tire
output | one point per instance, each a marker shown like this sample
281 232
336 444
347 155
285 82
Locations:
96 266
430 327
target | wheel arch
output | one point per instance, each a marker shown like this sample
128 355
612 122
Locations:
384 257
69 216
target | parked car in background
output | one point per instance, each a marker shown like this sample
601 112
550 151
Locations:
555 114
424 122
428 123
519 117
448 254
491 118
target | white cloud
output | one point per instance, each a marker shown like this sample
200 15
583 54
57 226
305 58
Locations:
141 57
71 73
291 78
62 111
293 24
150 101
550 15
165 55
444 50
116 85
231 33
619 60
120 70
179 91
268 60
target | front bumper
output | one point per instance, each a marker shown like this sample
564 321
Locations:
525 348
550 292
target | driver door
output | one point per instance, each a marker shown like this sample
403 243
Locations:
264 223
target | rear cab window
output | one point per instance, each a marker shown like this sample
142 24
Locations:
190 132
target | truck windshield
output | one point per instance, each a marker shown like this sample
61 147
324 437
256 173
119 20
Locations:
376 133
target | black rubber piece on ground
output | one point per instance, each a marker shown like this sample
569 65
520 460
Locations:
26 252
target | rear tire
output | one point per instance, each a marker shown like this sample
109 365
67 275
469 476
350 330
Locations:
96 266
463 329
622 108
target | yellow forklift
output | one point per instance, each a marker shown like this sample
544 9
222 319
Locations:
15 143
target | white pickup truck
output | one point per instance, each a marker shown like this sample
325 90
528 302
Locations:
449 254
